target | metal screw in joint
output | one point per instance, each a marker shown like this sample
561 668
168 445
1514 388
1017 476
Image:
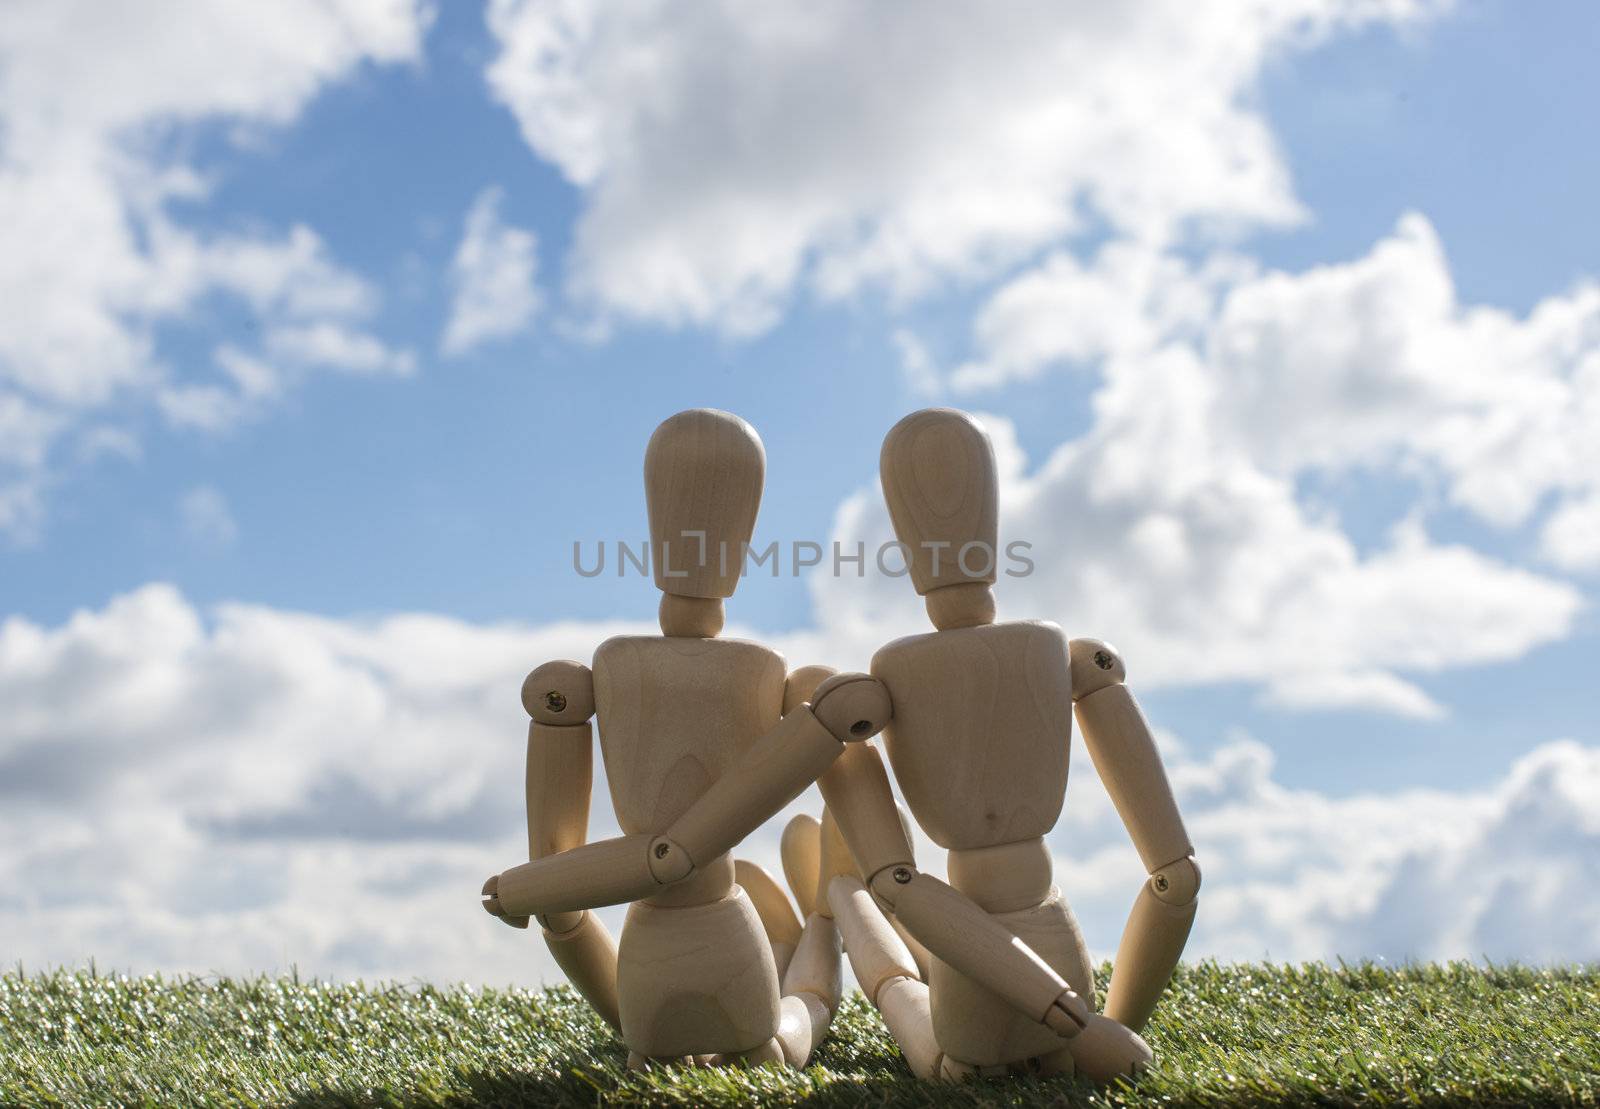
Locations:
1161 883
902 874
555 700
663 850
1103 660
861 727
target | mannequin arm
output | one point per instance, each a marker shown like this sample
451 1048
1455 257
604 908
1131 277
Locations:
559 696
1125 755
943 919
773 772
950 925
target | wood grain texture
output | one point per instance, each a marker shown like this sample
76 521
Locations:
1125 755
691 617
876 953
801 851
674 714
981 730
856 788
696 980
560 692
939 481
1005 878
817 968
587 955
904 1003
703 473
710 881
836 859
558 782
772 904
1152 942
971 941
607 872
802 683
976 1025
764 778
964 605
802 1024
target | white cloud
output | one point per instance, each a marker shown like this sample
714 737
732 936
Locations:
731 153
1413 874
1371 364
1203 568
493 273
206 517
917 368
91 99
249 788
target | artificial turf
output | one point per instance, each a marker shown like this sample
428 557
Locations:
1224 1035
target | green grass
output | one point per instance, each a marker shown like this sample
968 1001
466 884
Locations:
1225 1035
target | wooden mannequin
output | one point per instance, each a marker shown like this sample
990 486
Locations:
697 972
979 744
981 755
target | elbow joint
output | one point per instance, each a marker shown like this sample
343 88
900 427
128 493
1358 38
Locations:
1177 883
887 883
669 862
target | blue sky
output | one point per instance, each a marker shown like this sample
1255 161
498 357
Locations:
413 480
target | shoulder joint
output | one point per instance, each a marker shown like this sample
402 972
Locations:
559 693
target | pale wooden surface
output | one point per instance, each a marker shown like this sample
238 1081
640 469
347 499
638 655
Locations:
1005 878
940 484
959 933
558 786
801 851
560 692
853 707
1152 943
710 881
1095 665
608 872
964 605
802 1024
802 683
587 955
876 953
1125 755
982 722
696 980
817 966
765 777
690 617
1105 1050
836 859
905 1008
558 783
778 917
856 788
703 472
674 714
978 1026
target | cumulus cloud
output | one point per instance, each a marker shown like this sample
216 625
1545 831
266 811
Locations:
1204 568
248 788
748 151
494 274
1370 364
92 99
